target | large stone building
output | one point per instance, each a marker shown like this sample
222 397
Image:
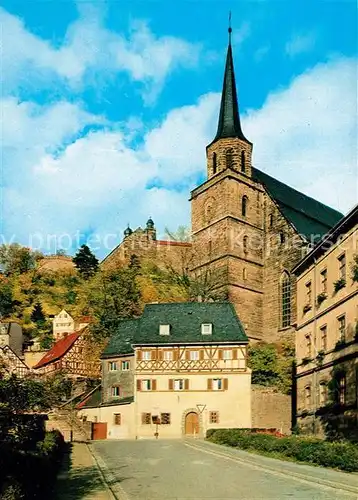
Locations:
245 224
178 370
327 333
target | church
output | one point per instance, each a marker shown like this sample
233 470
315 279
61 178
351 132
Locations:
244 223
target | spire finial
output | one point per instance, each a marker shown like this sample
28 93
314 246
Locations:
230 28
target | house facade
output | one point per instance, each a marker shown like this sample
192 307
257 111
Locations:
247 227
11 363
180 369
63 324
327 332
74 354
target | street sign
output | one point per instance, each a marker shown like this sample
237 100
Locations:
201 408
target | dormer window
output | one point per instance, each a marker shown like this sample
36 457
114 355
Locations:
164 329
206 329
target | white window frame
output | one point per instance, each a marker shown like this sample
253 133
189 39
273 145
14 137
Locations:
179 384
194 355
168 355
115 388
146 355
146 385
227 354
218 384
127 364
206 328
113 366
164 329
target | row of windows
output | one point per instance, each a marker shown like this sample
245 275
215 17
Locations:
229 160
57 325
113 366
339 392
206 329
341 329
165 418
342 276
213 384
190 355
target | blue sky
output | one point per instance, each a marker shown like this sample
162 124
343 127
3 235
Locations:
107 108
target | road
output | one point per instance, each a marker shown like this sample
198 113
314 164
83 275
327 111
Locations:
195 470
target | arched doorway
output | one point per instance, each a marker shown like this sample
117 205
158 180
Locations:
192 424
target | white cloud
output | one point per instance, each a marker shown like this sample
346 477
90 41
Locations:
304 135
300 43
89 47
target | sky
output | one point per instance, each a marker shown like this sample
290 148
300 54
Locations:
107 107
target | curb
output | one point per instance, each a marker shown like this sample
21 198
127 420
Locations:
117 492
293 475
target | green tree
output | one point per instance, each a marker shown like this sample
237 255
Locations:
86 262
6 299
15 259
37 315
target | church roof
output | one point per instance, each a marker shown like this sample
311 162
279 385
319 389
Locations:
229 119
311 218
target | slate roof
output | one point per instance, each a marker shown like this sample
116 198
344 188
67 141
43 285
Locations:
58 350
121 340
229 119
307 215
94 400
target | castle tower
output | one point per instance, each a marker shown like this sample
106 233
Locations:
227 219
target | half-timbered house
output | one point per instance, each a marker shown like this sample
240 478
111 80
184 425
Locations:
11 363
183 365
71 355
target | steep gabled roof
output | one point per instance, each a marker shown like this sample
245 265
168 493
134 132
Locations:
185 320
58 350
309 216
122 339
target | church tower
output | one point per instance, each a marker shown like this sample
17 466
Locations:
227 218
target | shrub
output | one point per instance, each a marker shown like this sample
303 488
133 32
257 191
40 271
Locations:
339 455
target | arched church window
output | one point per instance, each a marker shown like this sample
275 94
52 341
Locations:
281 237
245 244
270 220
229 158
243 166
285 293
215 164
244 274
244 203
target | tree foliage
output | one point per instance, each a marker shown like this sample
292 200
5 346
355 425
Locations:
271 365
6 299
37 315
86 262
15 259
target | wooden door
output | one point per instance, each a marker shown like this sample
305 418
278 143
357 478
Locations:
99 430
192 423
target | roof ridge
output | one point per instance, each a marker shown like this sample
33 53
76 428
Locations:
299 192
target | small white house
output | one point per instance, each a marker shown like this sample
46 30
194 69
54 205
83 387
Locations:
63 323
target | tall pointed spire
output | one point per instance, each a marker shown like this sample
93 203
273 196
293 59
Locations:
229 119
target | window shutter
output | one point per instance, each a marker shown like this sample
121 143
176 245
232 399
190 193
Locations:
139 383
143 418
160 355
226 384
171 384
201 355
186 384
175 354
154 385
234 354
139 355
220 354
210 384
153 355
187 355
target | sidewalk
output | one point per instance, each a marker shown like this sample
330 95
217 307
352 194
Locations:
80 478
321 475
